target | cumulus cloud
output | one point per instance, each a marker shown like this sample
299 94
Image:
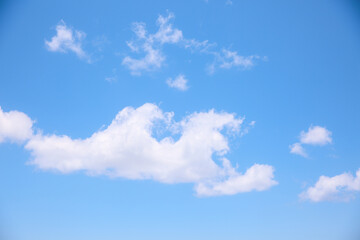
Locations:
316 135
146 143
15 126
67 39
150 46
258 178
338 188
180 82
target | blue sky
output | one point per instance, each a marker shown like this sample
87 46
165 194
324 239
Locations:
179 120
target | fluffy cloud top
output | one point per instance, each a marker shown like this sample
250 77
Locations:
130 147
67 40
258 177
338 188
316 135
15 126
180 82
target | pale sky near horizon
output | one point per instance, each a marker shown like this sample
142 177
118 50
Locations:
179 120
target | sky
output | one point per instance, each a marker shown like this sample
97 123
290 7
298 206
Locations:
179 120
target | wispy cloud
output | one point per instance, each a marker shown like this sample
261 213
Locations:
228 2
338 188
226 59
316 135
180 82
128 149
150 45
230 59
113 77
67 39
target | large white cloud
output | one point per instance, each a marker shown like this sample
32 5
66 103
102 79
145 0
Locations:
146 143
67 40
338 188
316 135
15 126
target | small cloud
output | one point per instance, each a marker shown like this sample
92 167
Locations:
15 126
316 135
67 39
228 2
150 45
152 60
229 59
296 148
338 188
180 82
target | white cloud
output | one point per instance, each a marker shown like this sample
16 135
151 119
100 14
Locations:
150 45
152 60
180 82
228 2
195 45
338 188
130 147
229 59
166 32
296 148
258 177
67 40
15 126
316 135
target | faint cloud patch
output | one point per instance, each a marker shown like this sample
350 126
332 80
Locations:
113 77
180 82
